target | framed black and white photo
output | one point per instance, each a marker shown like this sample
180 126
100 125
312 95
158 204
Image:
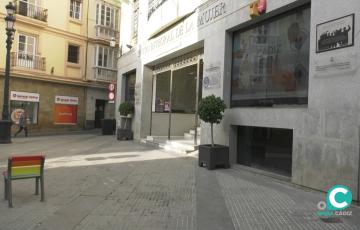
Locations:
335 34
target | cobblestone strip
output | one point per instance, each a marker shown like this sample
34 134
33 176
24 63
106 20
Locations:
157 195
253 204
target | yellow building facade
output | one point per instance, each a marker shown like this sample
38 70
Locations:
61 62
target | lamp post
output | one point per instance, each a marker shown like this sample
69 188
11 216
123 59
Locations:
5 123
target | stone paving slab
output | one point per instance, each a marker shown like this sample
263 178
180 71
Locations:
96 182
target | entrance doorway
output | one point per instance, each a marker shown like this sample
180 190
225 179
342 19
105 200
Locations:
266 148
99 112
176 94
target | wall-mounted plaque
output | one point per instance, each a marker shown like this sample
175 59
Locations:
335 34
212 77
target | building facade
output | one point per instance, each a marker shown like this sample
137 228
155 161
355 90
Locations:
287 72
55 74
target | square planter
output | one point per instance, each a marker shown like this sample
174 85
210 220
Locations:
124 134
212 157
108 126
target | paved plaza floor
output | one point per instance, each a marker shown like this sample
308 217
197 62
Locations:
96 182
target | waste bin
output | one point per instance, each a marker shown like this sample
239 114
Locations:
108 126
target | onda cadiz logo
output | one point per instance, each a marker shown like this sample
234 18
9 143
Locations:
338 199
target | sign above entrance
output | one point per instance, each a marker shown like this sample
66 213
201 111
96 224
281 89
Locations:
167 40
66 100
24 96
211 11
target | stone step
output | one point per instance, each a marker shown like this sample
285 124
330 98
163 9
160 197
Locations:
178 145
188 136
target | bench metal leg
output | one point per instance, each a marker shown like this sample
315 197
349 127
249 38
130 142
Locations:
9 192
42 188
6 192
37 185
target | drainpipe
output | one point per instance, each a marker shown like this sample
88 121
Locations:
86 60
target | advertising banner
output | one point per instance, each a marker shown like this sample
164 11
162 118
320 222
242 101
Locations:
65 114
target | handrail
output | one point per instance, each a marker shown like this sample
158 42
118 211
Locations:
29 61
31 10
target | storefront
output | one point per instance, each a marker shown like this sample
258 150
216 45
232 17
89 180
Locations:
24 102
50 107
65 110
176 92
288 75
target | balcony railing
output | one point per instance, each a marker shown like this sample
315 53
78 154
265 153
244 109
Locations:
28 61
106 32
31 10
105 74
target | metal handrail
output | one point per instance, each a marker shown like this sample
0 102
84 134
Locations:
29 61
105 74
31 10
106 32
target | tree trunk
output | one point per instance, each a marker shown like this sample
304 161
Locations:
212 135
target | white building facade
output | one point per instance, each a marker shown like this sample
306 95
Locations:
289 77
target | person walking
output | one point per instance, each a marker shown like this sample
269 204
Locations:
22 124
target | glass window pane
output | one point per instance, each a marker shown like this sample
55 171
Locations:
271 61
100 56
162 95
184 90
130 87
31 109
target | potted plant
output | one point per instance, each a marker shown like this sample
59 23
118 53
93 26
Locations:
211 110
126 110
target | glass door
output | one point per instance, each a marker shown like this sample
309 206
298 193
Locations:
161 104
183 100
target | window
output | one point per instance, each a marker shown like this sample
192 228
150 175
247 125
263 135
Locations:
162 92
130 87
73 54
75 9
105 57
106 15
26 51
135 20
24 102
270 61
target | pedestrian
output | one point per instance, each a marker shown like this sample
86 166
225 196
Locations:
22 124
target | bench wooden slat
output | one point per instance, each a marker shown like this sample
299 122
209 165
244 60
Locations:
25 171
27 158
25 163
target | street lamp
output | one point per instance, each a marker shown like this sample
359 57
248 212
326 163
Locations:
5 123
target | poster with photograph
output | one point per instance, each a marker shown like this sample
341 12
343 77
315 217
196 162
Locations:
335 34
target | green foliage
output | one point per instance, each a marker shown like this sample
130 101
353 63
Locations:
126 108
211 109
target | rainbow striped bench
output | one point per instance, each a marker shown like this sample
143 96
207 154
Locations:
24 167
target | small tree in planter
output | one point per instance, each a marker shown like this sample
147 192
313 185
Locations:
211 110
126 110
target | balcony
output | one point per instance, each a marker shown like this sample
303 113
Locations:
105 32
28 61
30 10
105 74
